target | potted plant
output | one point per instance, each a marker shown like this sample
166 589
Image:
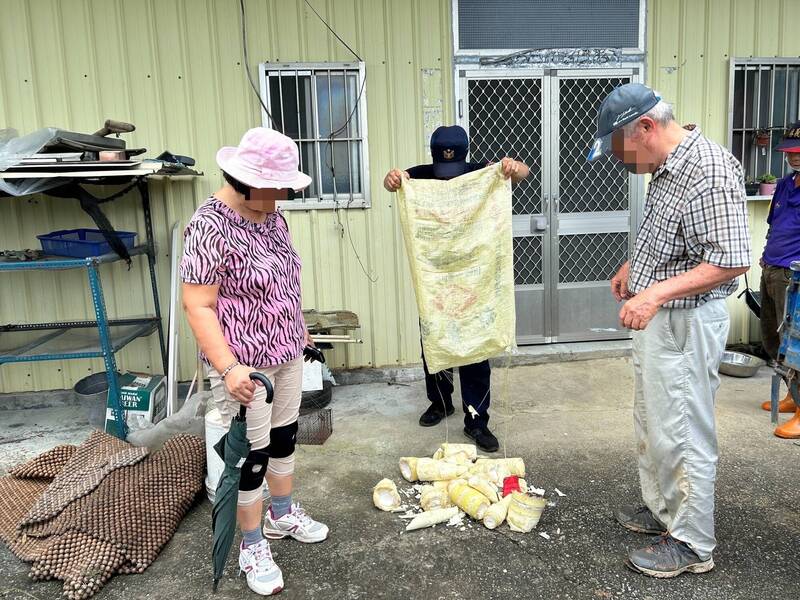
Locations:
762 138
768 184
751 187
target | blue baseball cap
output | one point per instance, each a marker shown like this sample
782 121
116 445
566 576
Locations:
449 148
623 105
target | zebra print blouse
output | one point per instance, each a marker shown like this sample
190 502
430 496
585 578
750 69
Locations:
258 273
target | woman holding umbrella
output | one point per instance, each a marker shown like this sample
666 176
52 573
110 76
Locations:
241 294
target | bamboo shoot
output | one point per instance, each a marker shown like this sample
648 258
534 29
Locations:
408 468
497 469
433 517
432 498
429 469
470 500
484 486
524 512
385 495
497 513
460 452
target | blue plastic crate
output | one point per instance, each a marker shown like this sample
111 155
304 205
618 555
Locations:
80 243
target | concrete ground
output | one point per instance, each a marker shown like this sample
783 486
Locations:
572 424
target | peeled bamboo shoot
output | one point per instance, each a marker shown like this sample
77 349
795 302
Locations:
429 469
462 452
385 495
432 498
484 486
433 517
524 512
470 500
497 513
408 468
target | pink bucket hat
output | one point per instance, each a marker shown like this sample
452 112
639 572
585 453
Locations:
265 158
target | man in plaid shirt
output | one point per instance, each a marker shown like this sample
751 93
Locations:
692 245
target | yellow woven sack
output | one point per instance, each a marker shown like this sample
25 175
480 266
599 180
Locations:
458 239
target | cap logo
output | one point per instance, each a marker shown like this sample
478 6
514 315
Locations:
449 154
623 115
793 134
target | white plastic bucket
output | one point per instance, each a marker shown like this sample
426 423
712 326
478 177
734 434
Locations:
214 464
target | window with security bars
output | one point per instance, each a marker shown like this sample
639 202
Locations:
765 98
320 106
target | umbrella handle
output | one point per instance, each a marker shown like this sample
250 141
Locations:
256 376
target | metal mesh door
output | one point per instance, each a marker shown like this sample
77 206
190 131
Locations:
505 119
592 202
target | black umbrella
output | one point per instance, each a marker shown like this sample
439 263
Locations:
233 448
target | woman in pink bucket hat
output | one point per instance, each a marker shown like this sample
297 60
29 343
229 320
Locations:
241 293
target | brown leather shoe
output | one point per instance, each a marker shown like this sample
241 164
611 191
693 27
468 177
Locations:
791 429
786 405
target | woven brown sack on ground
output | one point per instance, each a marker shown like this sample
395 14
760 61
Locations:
119 526
92 462
47 465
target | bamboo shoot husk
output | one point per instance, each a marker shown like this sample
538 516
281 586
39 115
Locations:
385 496
497 513
524 512
470 500
408 468
433 498
485 487
463 452
433 517
442 485
496 473
429 469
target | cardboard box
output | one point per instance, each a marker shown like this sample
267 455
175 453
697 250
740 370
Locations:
143 397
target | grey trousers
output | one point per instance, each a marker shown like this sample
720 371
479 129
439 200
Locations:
676 369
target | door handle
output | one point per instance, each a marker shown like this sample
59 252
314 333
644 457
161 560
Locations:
538 223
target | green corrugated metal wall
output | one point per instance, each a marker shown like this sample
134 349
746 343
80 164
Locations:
689 46
173 67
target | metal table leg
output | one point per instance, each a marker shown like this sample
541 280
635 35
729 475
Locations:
775 398
108 351
151 261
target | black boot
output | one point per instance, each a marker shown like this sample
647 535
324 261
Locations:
435 414
484 438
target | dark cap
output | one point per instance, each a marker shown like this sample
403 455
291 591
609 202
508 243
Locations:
623 105
791 139
449 148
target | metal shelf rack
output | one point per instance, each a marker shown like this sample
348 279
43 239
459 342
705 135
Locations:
101 338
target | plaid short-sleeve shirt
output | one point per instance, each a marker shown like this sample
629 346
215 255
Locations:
695 211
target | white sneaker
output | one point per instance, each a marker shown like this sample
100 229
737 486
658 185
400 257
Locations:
264 577
297 524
